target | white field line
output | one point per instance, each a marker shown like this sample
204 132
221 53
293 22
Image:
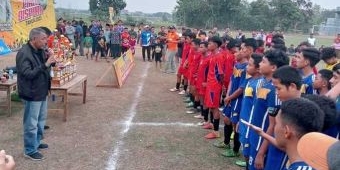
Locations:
181 124
113 159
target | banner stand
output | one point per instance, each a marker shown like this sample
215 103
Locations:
117 73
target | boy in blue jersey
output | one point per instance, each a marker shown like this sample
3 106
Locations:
296 118
334 92
305 61
328 106
287 81
235 95
247 104
265 104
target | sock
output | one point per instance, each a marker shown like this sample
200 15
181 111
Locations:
182 81
237 143
211 117
216 124
206 114
226 141
192 98
185 87
202 111
228 130
177 85
196 103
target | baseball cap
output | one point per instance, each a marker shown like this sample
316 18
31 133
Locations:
320 151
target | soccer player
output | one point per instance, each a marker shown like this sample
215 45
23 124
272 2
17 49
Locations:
296 118
305 61
328 55
287 81
193 63
201 84
248 103
235 95
265 104
328 106
321 83
181 70
214 84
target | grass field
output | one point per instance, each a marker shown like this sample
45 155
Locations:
296 39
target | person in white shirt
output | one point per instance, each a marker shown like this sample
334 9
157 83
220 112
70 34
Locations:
312 40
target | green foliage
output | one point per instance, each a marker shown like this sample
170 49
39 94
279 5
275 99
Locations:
259 14
100 8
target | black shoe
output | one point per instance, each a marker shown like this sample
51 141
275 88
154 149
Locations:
43 146
35 157
46 127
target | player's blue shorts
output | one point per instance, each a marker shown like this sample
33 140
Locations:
235 117
246 149
227 111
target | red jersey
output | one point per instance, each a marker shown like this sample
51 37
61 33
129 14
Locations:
229 62
202 74
193 67
215 70
269 39
260 50
125 39
185 55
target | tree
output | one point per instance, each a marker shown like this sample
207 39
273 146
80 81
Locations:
100 8
239 14
205 13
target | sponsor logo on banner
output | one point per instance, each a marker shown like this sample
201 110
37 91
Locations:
20 16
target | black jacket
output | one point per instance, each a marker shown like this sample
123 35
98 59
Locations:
34 80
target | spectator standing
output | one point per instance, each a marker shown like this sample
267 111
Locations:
132 31
94 30
172 40
162 37
336 45
311 40
125 40
79 37
146 42
115 42
70 32
107 38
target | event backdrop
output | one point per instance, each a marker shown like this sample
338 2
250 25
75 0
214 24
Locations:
18 17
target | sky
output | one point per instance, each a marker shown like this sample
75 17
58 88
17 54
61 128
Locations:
152 6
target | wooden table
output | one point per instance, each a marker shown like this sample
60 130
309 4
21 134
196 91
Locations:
9 86
64 92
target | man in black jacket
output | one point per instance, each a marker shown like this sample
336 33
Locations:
33 68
